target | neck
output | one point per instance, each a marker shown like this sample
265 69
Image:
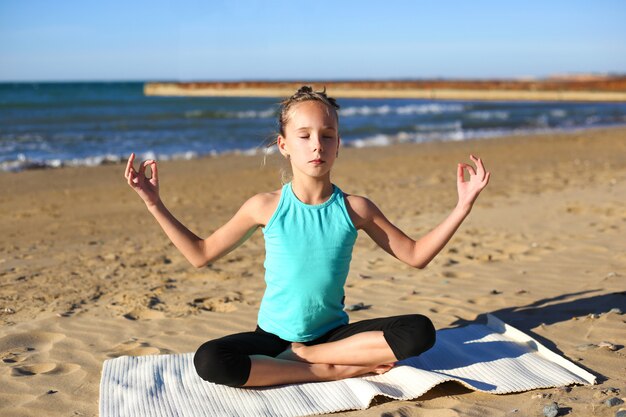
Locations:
311 190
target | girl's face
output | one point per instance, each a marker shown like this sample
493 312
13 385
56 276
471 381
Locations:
311 138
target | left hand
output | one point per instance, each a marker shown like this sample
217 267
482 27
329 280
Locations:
469 190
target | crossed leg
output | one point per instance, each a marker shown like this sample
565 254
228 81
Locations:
263 359
355 355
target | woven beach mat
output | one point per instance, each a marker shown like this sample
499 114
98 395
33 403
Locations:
492 357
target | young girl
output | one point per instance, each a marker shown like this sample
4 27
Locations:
310 227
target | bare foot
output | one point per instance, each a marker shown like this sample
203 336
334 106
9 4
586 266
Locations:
385 367
293 353
349 371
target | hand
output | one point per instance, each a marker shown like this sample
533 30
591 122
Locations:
469 190
147 188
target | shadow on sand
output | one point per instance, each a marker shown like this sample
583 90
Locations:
554 310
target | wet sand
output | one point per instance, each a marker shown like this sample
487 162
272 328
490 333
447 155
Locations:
86 274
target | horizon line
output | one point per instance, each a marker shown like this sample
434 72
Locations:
607 74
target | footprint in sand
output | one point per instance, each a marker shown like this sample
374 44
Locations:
14 356
47 368
40 341
17 348
135 348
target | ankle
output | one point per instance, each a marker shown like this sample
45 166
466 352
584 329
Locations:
301 351
325 372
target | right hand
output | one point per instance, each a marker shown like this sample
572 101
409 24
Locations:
147 188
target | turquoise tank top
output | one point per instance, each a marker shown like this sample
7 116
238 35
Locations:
308 249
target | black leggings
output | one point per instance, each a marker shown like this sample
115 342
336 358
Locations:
226 360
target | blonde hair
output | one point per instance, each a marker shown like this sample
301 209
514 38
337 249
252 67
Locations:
304 93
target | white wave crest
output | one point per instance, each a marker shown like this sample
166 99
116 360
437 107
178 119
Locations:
253 114
410 109
489 115
558 113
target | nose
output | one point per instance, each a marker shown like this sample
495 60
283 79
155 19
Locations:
316 143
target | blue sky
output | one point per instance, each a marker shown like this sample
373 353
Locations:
44 40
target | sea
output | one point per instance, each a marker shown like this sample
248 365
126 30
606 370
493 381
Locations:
50 125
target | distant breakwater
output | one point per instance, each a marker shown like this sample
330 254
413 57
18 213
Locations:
595 89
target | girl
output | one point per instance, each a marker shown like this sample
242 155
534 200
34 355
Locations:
310 227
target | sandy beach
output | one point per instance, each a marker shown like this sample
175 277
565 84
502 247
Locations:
86 273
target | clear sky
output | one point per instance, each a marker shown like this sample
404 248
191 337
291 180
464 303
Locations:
54 40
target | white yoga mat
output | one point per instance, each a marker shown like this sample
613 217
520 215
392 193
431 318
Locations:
493 357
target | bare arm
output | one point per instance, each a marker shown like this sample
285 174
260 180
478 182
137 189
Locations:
188 243
196 250
429 245
419 253
200 252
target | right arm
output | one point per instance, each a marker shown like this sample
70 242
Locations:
198 252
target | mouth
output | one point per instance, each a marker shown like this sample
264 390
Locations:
317 161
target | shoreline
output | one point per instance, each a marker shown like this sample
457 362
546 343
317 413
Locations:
23 165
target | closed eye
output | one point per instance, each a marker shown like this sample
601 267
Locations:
325 137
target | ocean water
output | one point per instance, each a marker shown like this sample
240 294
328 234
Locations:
59 124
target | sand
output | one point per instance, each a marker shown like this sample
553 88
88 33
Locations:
86 274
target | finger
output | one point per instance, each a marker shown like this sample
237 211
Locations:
486 180
480 168
131 178
144 166
142 170
129 165
148 164
470 169
459 173
155 173
474 159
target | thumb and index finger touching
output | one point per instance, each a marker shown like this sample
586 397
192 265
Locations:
480 170
130 171
460 171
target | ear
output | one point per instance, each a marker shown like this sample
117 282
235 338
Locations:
281 143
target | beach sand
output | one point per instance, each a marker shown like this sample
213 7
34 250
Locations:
86 273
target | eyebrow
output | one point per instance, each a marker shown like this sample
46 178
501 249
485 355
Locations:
309 128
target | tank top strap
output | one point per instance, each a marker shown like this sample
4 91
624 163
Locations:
341 199
279 207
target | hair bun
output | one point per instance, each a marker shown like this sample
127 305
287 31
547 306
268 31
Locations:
305 89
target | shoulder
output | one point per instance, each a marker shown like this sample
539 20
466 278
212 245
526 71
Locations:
361 209
261 206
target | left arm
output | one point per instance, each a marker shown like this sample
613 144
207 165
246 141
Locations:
419 253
